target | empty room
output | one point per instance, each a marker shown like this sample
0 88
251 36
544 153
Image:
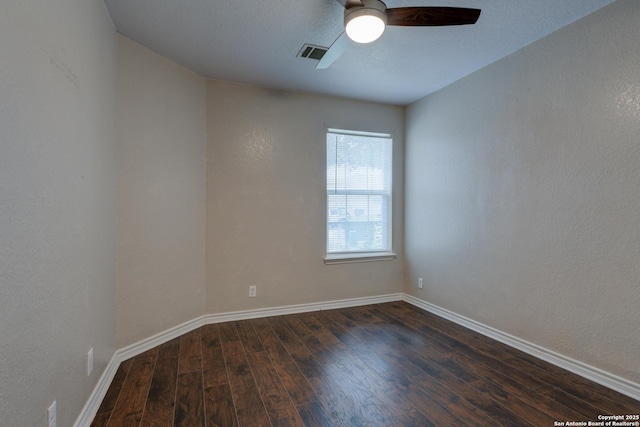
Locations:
242 213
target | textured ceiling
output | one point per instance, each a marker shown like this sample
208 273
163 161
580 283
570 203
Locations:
256 42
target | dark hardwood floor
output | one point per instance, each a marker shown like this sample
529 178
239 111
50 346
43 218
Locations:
380 365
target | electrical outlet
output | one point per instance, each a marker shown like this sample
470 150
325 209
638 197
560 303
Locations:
90 362
51 415
252 291
419 282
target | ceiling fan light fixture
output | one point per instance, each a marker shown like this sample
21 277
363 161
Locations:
366 24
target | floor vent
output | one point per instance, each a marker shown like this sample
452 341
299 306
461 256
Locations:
312 52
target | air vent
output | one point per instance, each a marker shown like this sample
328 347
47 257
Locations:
312 52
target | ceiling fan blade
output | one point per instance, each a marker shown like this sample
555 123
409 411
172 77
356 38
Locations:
348 4
431 16
335 50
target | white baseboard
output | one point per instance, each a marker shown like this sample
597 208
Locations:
93 404
299 308
160 338
592 373
99 392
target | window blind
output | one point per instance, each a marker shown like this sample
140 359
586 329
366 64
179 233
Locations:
358 175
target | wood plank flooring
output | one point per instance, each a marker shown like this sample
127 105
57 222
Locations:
380 365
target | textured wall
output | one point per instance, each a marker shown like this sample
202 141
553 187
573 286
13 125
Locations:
161 193
522 193
57 205
266 198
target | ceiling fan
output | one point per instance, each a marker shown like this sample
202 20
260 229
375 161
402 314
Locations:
365 21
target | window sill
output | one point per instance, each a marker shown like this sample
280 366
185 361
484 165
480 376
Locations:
359 257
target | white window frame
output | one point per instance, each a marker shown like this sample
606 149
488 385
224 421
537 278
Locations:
360 256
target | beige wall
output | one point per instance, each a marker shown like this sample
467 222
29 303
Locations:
57 205
161 193
522 190
266 198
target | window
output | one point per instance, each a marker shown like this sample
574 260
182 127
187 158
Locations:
358 196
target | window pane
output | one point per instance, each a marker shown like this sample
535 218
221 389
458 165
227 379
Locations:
358 192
